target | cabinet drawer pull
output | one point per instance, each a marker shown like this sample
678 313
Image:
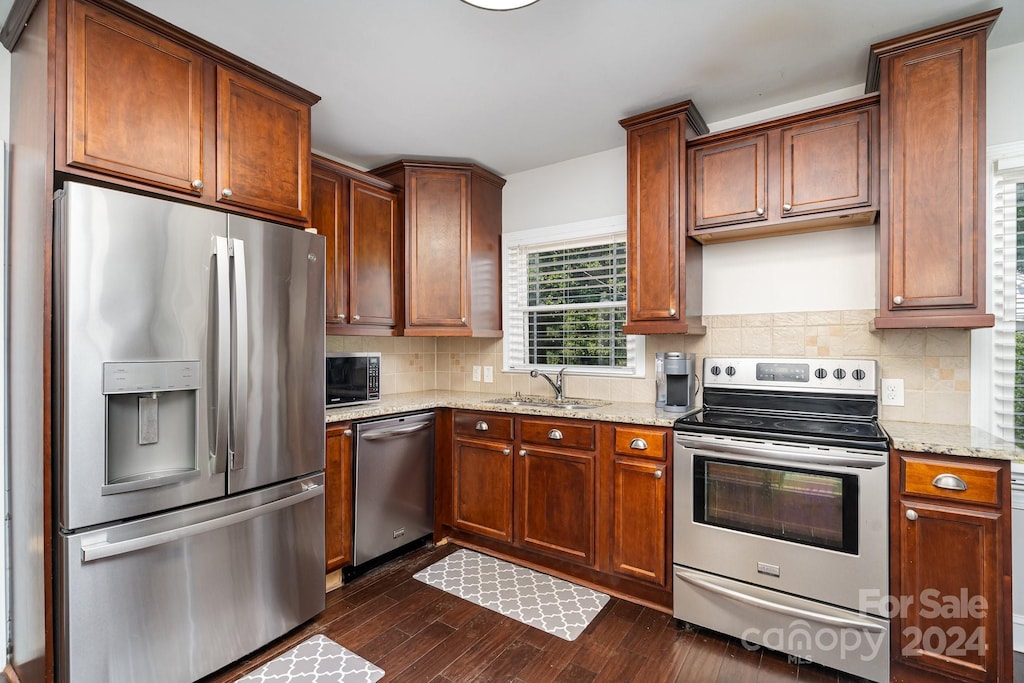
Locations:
555 435
347 432
950 482
657 474
481 426
522 453
506 451
355 317
912 515
638 444
197 184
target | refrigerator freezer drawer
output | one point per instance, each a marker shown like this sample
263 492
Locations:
177 596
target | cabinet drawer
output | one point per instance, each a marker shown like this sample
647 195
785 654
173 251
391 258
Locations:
966 482
560 433
640 442
483 425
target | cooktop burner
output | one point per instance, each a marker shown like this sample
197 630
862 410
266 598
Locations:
813 401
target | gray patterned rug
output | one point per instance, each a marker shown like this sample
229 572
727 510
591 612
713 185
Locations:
316 660
553 605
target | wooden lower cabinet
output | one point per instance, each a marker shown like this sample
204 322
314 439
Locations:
950 569
338 493
586 500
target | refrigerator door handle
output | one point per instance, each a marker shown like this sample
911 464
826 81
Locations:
222 357
240 390
103 550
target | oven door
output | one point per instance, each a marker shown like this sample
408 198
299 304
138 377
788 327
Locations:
809 521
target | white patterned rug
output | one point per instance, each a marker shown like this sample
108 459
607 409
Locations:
553 605
316 660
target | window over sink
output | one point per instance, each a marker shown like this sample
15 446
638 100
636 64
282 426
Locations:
565 300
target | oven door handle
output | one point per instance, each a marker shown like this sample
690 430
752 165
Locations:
769 456
788 610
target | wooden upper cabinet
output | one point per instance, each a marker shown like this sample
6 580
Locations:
135 102
152 107
663 265
358 216
452 238
731 182
263 147
932 87
810 171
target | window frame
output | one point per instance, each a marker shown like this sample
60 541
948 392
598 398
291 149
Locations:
579 233
983 341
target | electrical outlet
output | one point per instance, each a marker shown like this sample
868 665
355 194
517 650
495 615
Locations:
892 392
489 373
476 373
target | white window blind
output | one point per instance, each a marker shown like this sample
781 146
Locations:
566 302
1008 299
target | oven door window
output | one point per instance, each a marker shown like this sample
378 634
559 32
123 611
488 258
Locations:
804 506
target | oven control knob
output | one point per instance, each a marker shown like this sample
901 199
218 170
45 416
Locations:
730 370
821 373
839 373
858 374
715 370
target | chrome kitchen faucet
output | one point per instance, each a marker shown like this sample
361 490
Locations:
556 384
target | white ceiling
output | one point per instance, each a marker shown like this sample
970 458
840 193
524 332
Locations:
522 89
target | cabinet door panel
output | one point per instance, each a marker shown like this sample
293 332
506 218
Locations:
263 156
134 102
483 488
950 556
327 198
338 496
555 504
825 164
933 105
374 255
730 182
639 547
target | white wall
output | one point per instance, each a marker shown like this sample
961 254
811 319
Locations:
1005 96
5 129
821 271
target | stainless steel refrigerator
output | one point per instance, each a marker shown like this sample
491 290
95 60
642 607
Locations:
190 438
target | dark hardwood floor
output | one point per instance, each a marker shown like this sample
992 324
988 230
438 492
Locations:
418 633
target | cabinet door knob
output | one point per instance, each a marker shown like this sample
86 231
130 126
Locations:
506 451
787 207
897 300
197 184
671 311
760 211
226 192
481 426
638 444
463 320
657 474
341 316
522 453
555 435
355 317
912 515
347 432
950 482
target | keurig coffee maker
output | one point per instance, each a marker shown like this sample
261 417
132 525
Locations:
676 381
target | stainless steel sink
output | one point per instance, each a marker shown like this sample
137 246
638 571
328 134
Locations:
548 402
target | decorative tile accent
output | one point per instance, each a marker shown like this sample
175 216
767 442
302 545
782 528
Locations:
553 605
316 660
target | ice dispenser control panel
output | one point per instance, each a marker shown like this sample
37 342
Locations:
132 378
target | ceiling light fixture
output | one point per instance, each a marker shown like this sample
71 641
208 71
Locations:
500 5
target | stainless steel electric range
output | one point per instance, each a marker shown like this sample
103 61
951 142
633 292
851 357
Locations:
781 510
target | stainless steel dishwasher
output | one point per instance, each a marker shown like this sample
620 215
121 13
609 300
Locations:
394 484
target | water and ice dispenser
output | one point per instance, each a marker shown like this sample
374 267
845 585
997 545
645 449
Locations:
151 423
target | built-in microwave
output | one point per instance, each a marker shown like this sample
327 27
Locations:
352 377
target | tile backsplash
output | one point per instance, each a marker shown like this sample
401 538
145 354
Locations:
934 364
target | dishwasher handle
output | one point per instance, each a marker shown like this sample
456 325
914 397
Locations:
392 432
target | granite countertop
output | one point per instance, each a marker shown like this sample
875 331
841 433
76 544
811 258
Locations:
942 439
617 411
963 441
